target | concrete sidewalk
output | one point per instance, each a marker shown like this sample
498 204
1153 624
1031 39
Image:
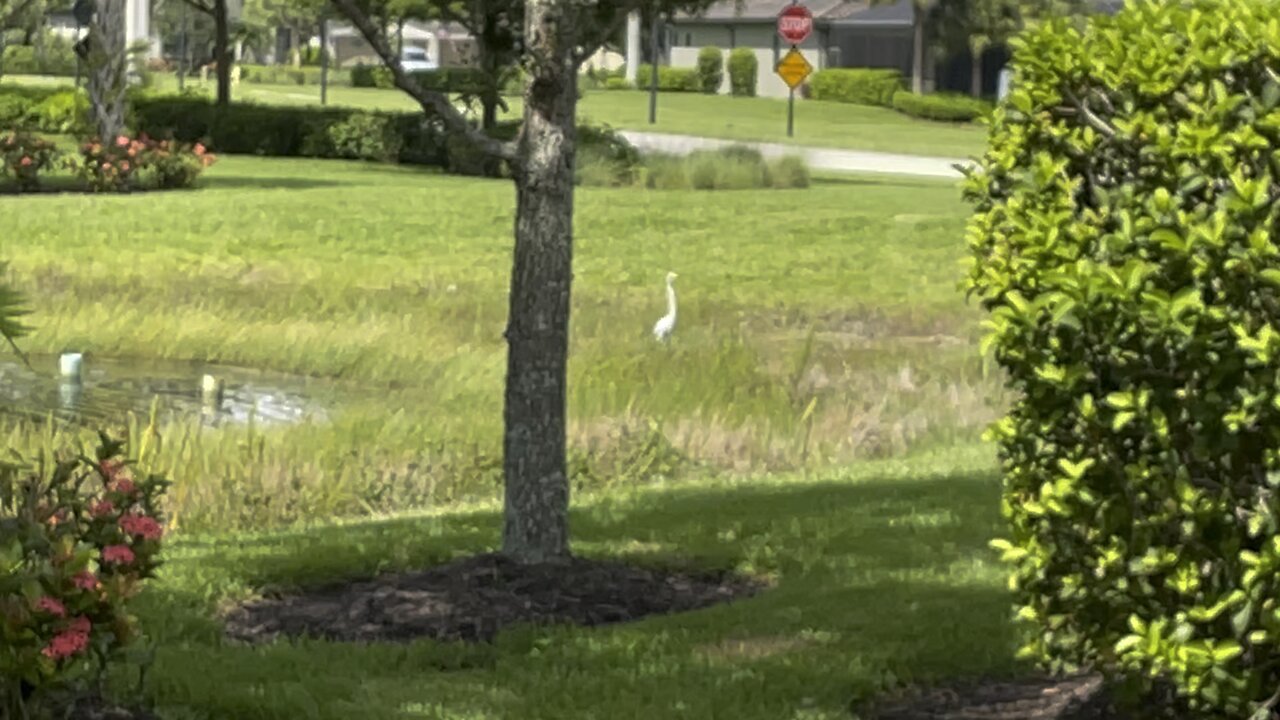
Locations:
817 158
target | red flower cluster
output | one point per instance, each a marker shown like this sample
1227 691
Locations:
128 164
145 527
24 157
52 606
71 641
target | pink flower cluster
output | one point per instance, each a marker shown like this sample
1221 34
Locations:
71 641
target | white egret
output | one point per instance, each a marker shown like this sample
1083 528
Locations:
662 329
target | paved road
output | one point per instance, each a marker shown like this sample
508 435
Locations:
817 158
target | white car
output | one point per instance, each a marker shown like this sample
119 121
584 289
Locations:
414 59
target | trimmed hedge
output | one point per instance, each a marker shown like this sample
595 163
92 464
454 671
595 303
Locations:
710 69
743 70
289 75
947 107
450 80
670 79
863 86
59 60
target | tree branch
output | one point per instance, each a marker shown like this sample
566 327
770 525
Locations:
1090 118
430 100
591 42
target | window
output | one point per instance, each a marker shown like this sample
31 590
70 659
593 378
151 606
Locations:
688 39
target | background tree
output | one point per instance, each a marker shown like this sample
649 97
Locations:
219 12
16 15
558 36
496 26
301 18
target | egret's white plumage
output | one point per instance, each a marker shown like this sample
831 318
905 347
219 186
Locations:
667 323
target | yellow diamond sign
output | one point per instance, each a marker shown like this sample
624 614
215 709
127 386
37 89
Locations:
793 68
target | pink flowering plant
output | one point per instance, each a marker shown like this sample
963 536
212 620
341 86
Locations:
23 157
124 164
74 550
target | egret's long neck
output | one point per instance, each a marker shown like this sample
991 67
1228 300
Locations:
671 299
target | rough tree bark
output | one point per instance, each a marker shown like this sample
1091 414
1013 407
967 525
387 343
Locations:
107 69
537 485
558 36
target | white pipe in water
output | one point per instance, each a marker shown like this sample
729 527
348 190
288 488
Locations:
69 365
211 388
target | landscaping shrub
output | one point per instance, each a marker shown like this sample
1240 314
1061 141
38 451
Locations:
670 79
618 83
127 164
372 76
710 69
75 549
24 157
58 59
362 136
736 167
13 112
596 78
63 113
743 68
605 158
1123 243
864 86
941 106
289 75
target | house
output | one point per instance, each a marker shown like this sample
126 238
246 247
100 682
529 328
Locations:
846 33
449 44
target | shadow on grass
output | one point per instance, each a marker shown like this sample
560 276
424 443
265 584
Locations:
248 182
887 180
878 582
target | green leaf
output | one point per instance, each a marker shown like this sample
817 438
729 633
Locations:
1226 650
1122 419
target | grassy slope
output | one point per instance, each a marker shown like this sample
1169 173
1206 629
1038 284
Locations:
816 326
817 124
882 576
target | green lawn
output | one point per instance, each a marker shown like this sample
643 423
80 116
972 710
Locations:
817 123
814 419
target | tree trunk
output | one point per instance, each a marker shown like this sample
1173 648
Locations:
536 524
917 51
222 51
108 69
485 42
975 72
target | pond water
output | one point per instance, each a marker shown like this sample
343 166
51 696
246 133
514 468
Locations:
109 388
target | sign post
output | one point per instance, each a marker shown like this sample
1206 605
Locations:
795 24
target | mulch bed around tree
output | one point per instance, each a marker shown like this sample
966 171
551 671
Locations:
474 598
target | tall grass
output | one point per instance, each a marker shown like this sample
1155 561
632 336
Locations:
814 328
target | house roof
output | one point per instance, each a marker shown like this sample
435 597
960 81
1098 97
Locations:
759 11
838 12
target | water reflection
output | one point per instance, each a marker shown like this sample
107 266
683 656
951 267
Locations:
109 388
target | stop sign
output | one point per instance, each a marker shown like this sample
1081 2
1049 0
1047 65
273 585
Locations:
795 22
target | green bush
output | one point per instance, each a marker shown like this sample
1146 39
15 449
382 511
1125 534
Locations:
605 158
57 59
736 167
618 83
289 75
710 69
1124 245
947 107
864 86
63 113
598 78
19 103
365 136
670 79
743 68
372 76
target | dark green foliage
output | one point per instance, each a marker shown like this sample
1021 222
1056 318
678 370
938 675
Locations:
57 59
670 79
947 107
450 80
1124 245
618 83
44 109
289 131
863 86
743 69
289 75
710 69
